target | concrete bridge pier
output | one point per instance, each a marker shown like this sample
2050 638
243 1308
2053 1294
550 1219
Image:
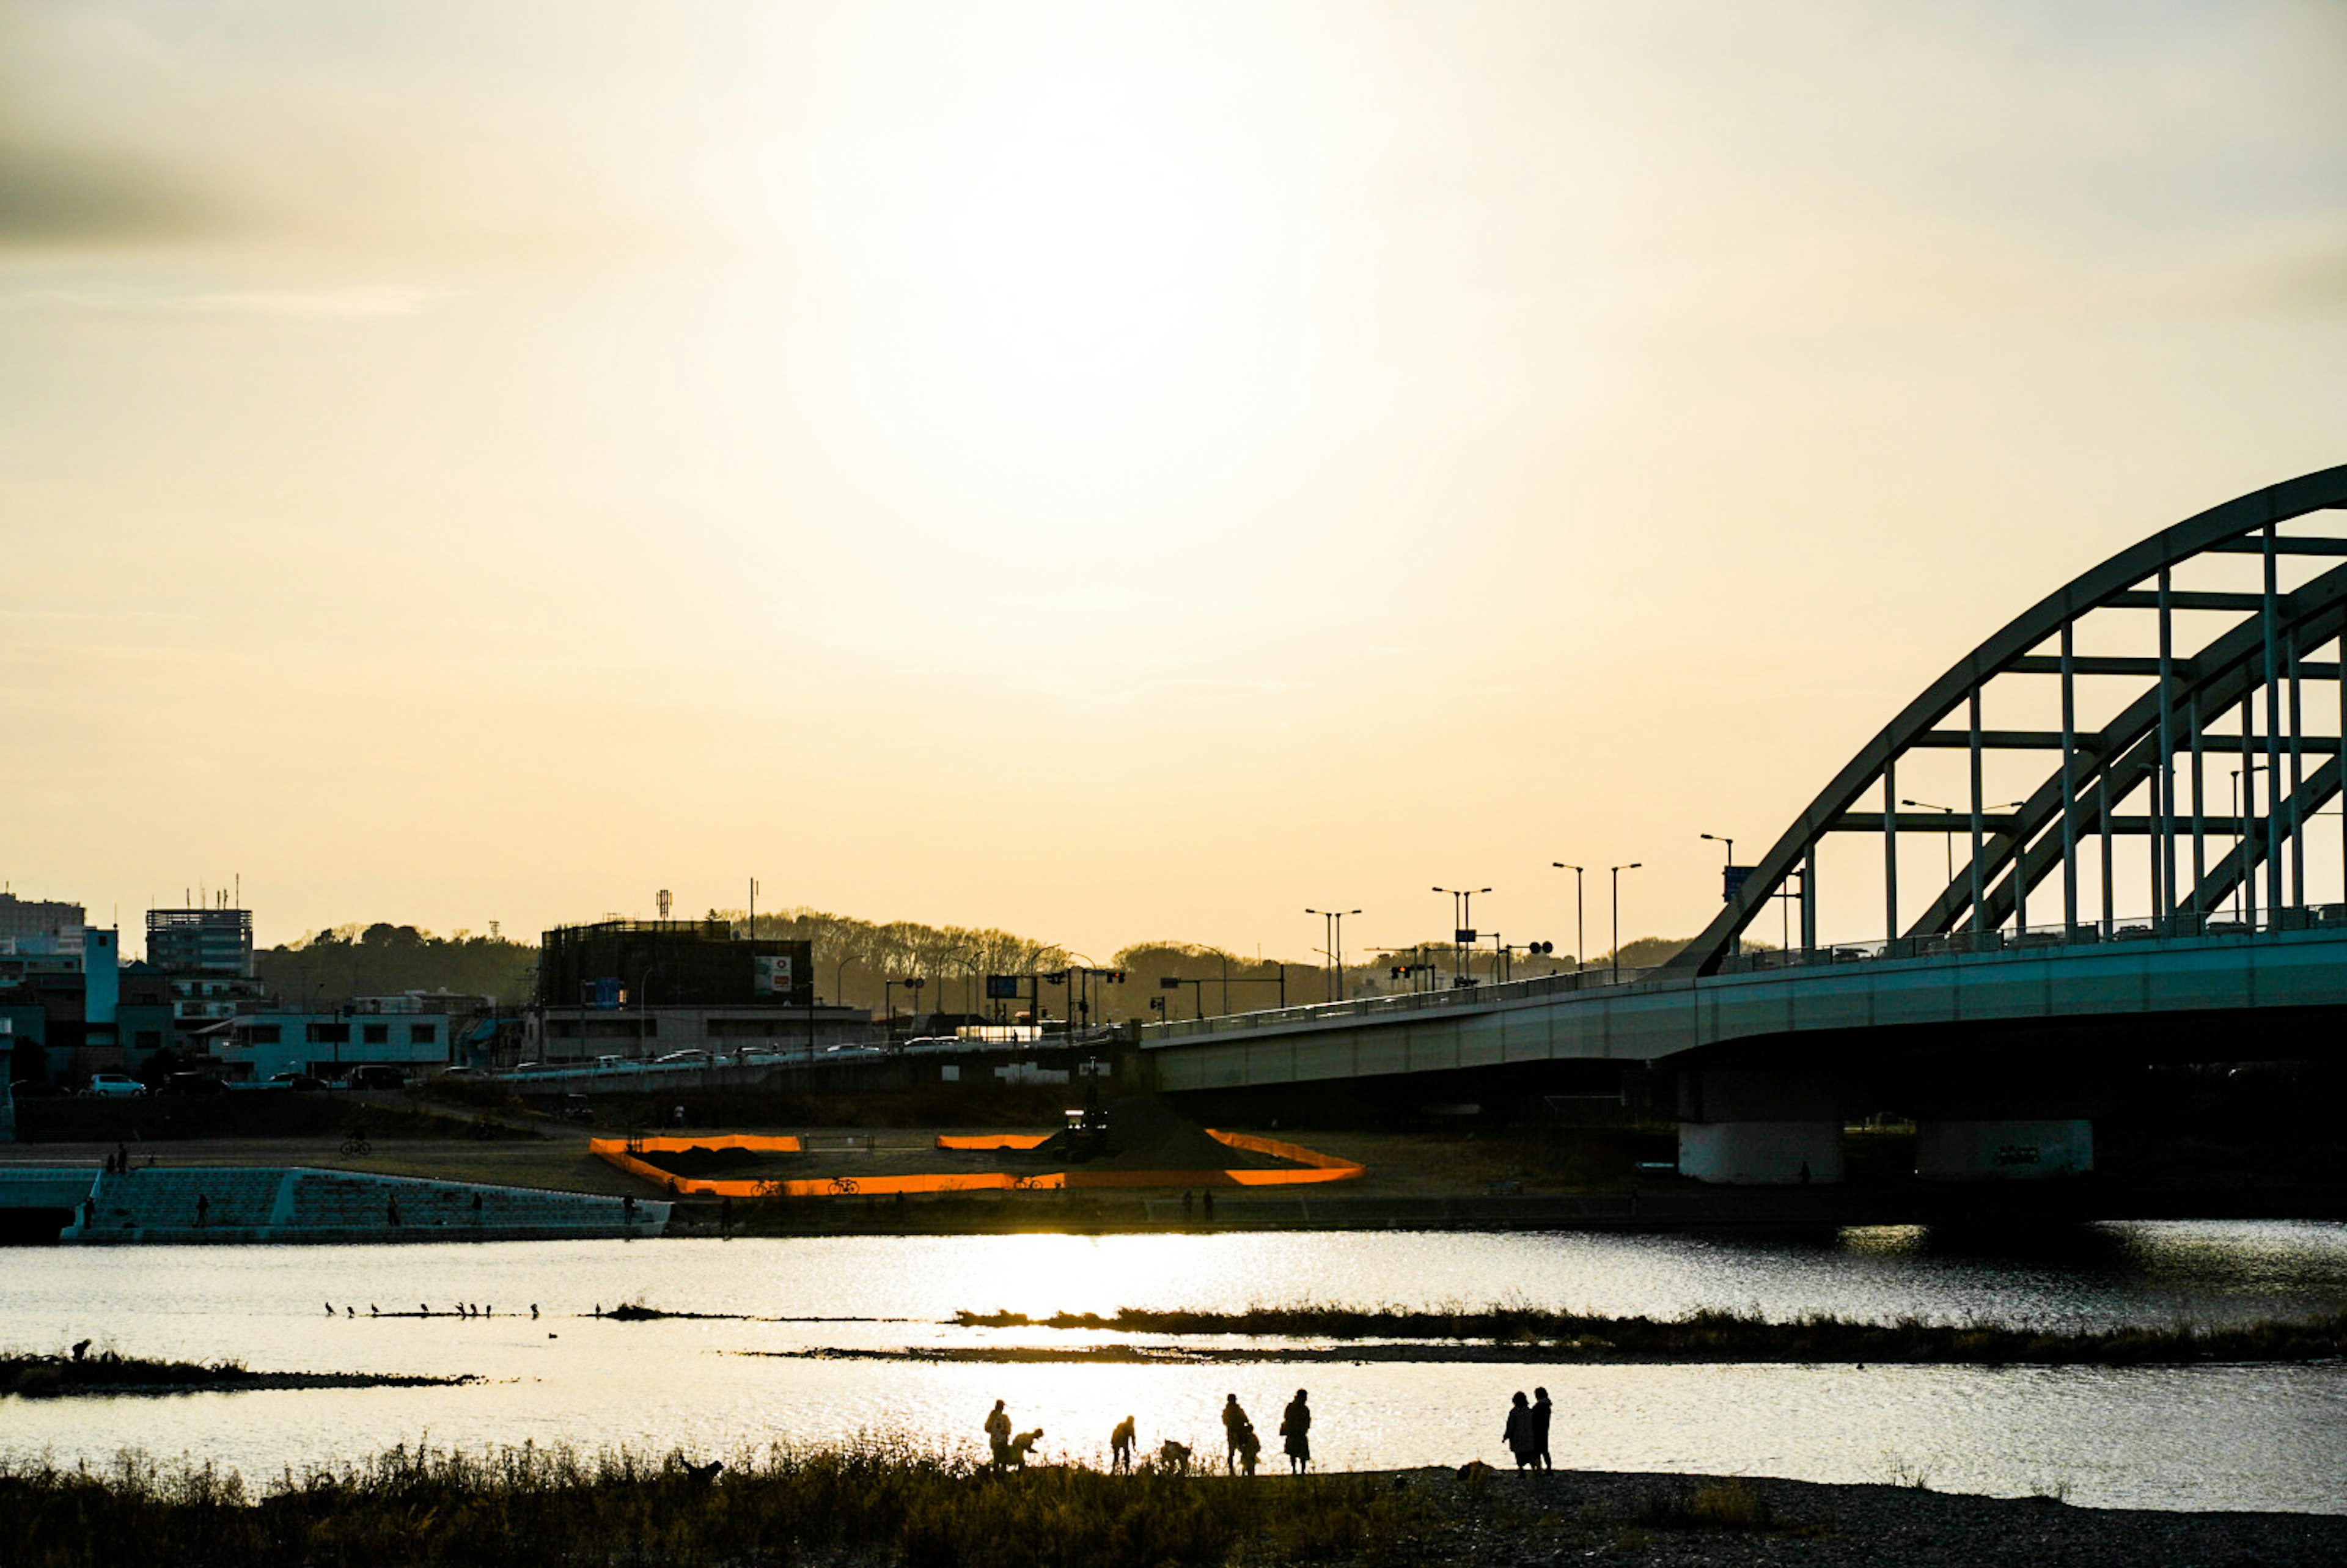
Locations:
1750 1127
2006 1149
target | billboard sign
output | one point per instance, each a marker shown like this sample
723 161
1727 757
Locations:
1002 987
773 976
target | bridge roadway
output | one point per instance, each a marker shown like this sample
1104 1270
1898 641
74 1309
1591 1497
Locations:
1779 1007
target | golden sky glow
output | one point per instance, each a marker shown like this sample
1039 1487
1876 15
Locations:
1108 472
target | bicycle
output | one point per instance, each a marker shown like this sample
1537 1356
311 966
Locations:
356 1143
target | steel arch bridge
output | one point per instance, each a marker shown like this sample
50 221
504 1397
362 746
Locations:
2238 695
1969 1015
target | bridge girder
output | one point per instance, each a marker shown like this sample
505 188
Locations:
2261 660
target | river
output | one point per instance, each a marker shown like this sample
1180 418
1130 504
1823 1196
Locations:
2202 1436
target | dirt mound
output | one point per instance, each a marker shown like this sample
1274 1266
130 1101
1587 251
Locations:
703 1162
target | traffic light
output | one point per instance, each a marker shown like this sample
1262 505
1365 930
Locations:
1542 949
1396 972
1056 978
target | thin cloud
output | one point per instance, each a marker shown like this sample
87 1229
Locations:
365 301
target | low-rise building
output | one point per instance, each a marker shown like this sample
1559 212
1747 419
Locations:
255 1047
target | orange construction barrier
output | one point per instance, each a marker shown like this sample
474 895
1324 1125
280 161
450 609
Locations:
1315 1167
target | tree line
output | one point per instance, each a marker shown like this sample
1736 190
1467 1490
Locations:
855 959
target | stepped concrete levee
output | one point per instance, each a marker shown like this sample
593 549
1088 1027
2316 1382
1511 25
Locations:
231 1204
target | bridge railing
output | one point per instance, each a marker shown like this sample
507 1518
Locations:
1404 1002
2026 942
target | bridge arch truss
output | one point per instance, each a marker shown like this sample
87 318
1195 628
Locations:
2237 697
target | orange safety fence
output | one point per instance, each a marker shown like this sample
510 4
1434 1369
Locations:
993 1141
1315 1167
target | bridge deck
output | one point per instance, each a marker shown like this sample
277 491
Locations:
2296 961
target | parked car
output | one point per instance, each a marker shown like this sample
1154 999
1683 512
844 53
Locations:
460 1072
35 1089
301 1080
376 1075
178 1084
675 1058
115 1086
529 1067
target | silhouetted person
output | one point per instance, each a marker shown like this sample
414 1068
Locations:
997 1435
628 1208
1296 1426
122 1159
1518 1433
80 1349
1542 1411
391 1211
1186 1202
1120 1448
203 1207
1207 1202
88 1213
1235 1423
1250 1448
476 1208
1020 1447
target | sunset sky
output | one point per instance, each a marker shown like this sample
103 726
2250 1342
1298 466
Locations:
1108 472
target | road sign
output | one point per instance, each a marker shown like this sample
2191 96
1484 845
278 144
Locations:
1002 987
1464 938
1732 879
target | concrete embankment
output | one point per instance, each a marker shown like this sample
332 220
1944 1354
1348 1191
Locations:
228 1204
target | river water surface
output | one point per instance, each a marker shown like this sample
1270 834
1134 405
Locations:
2194 1437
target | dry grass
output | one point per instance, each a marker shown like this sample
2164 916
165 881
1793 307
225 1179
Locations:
1718 1335
530 1506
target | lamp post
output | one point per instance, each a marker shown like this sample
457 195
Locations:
1949 839
1615 957
2240 833
1580 936
1334 922
1463 911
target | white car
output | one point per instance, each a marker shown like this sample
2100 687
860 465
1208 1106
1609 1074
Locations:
115 1086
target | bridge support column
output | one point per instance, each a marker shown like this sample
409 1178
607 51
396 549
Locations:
1958 1151
1747 1128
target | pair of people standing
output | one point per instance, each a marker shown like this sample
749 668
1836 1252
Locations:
1527 1430
1242 1445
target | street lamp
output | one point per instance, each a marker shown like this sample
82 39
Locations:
2241 833
1580 938
1947 839
1616 954
1462 931
1333 921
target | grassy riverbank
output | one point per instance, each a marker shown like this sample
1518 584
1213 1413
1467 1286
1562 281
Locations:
875 1505
57 1376
1717 1336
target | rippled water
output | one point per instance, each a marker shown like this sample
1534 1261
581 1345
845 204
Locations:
2173 1437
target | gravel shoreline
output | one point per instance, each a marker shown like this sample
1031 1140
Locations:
1511 1520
